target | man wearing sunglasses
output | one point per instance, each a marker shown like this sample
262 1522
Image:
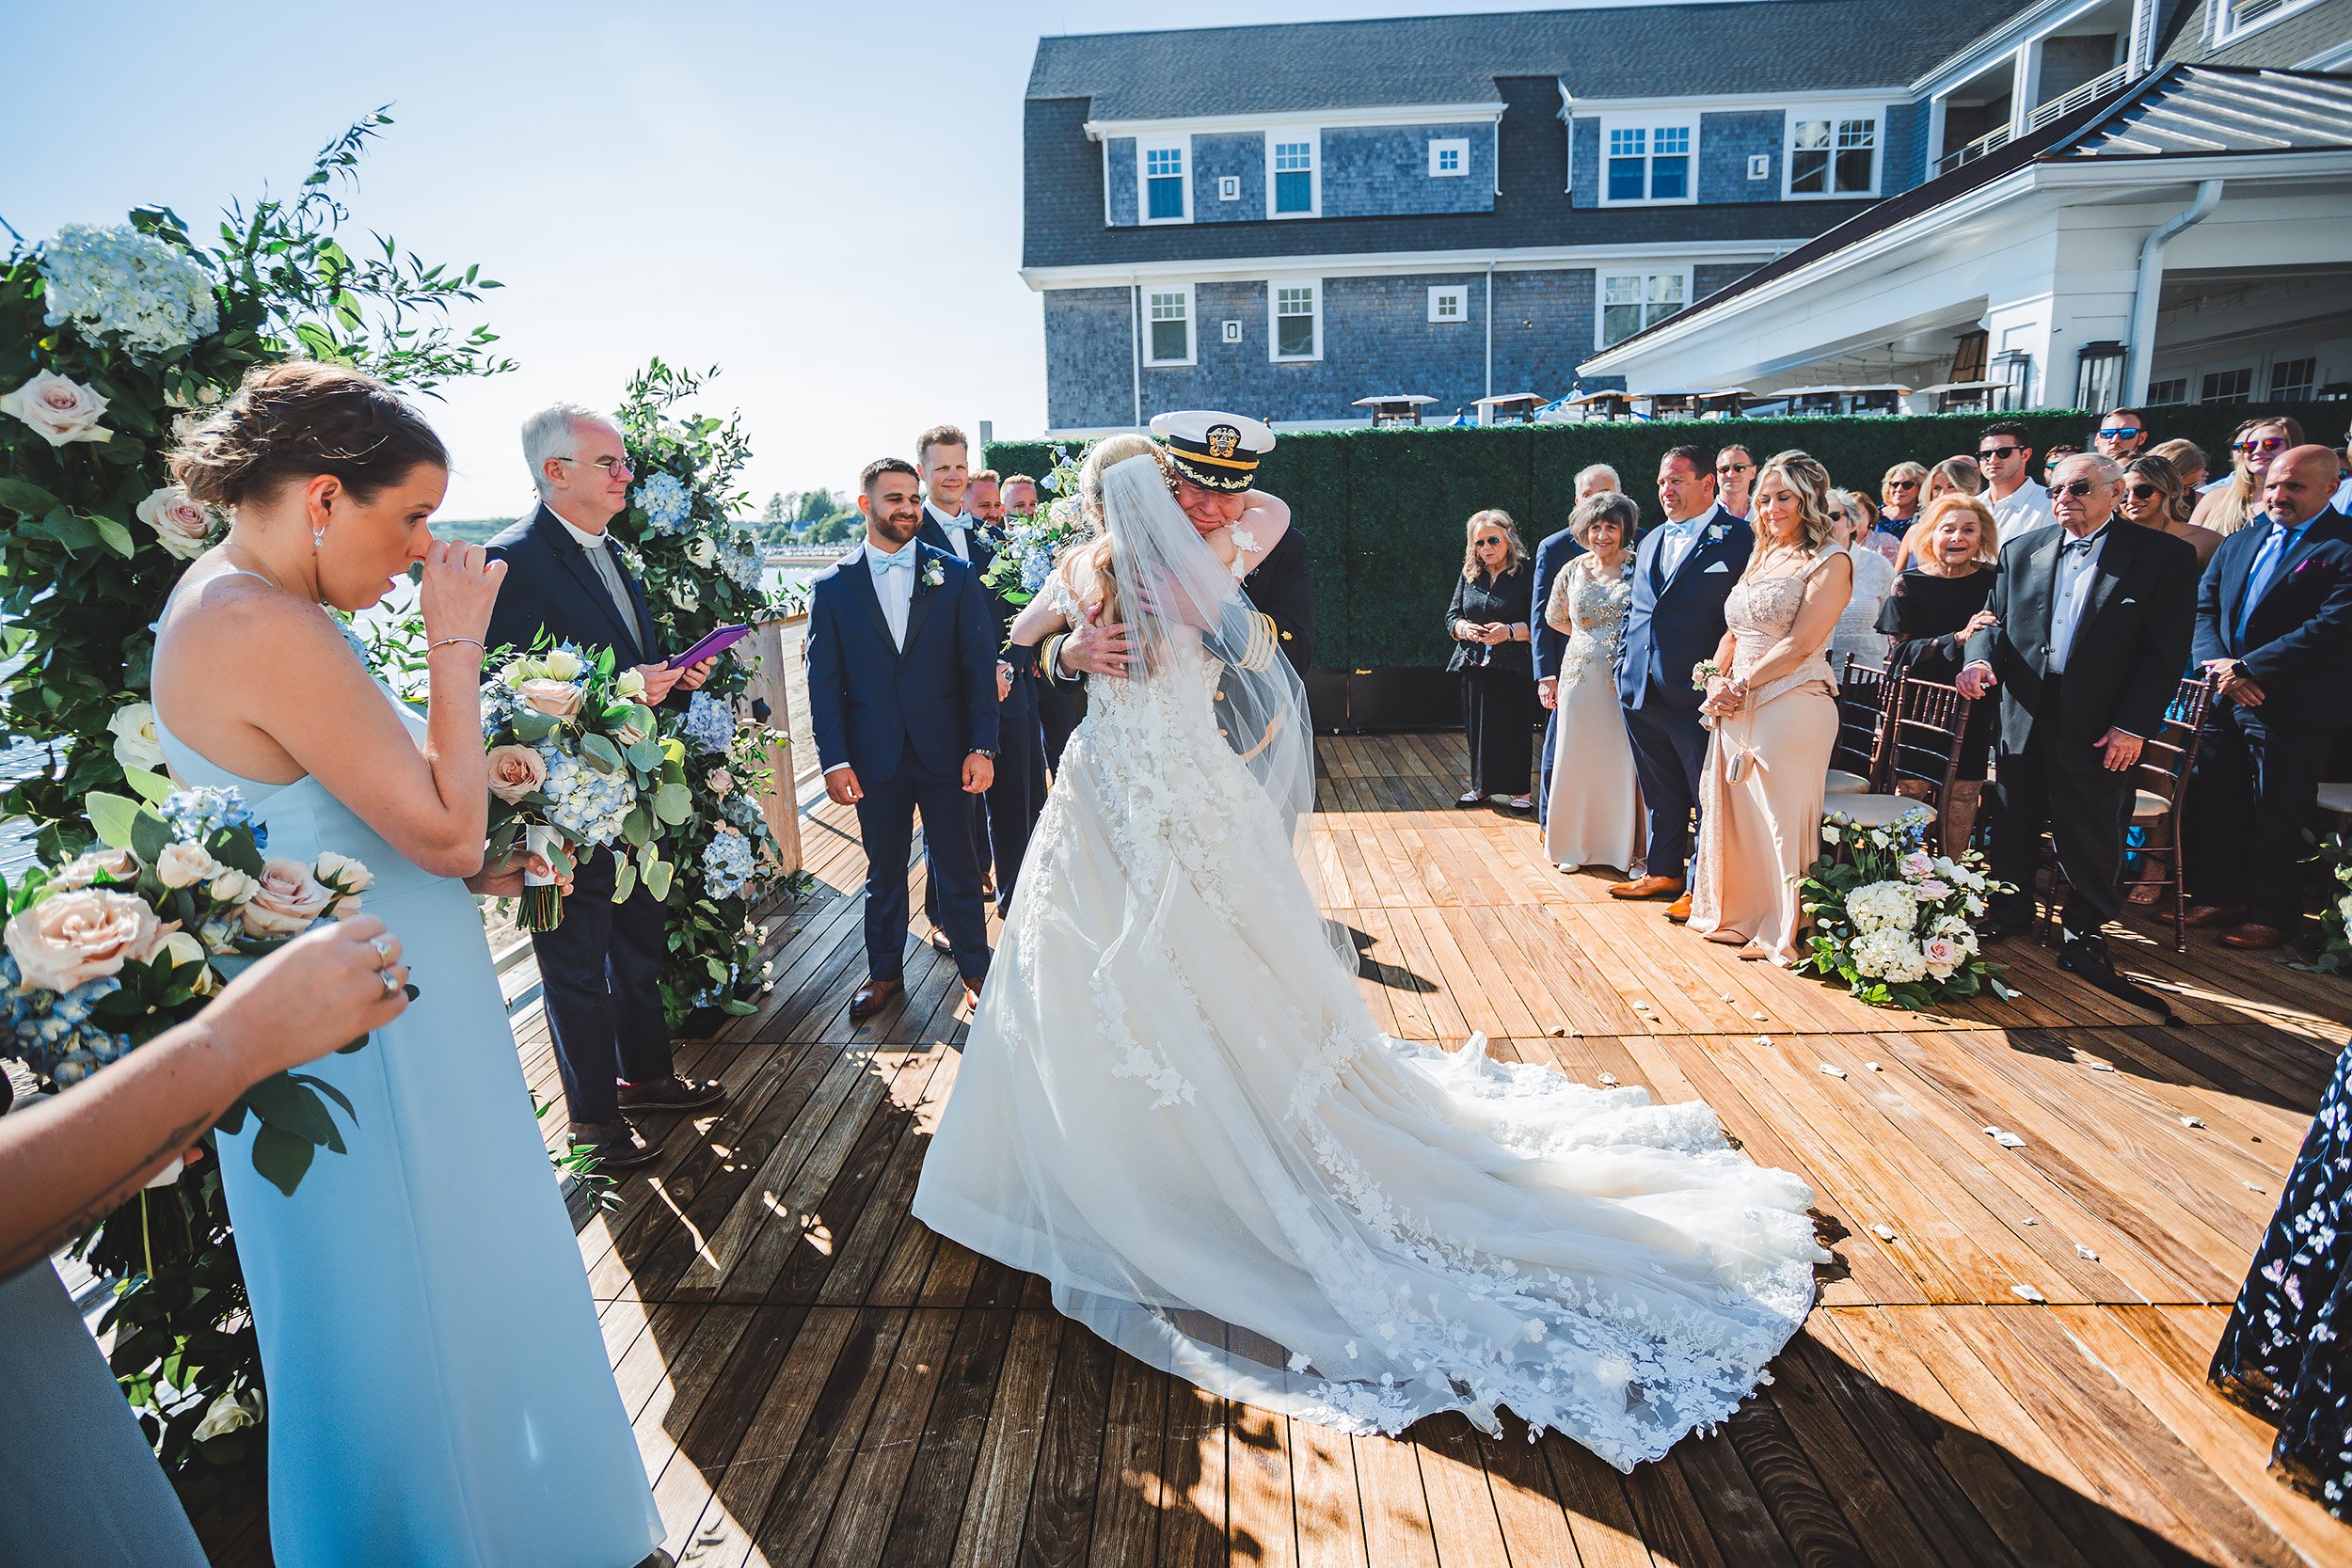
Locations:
1735 475
2121 435
2274 631
2093 621
2019 504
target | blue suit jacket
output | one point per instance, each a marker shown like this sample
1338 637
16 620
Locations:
881 708
2297 643
1675 622
1556 551
551 586
1023 696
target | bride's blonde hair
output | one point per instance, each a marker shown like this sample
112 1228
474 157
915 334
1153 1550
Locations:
1089 566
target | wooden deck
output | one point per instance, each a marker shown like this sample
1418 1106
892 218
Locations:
815 1378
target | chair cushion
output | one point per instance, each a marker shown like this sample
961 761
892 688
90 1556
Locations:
1875 811
1841 782
2147 805
2336 799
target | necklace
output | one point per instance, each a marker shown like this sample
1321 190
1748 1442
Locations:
260 568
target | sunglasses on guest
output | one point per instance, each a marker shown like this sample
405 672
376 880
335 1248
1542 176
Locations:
1902 484
2119 433
1998 454
2268 443
1735 468
2078 488
2142 492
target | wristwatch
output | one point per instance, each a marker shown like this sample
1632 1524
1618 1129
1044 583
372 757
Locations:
981 752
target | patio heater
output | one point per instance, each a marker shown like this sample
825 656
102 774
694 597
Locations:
2099 375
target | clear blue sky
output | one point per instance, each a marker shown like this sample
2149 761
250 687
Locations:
823 201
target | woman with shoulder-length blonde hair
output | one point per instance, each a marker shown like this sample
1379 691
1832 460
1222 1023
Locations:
1770 698
2230 505
1900 500
2154 497
1489 620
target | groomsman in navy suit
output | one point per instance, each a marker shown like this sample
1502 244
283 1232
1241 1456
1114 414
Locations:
902 698
1682 574
2274 630
602 967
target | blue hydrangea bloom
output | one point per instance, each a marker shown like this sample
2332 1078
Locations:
709 724
197 814
667 502
728 866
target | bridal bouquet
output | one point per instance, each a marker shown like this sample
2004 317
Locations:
1896 922
111 949
1027 548
578 761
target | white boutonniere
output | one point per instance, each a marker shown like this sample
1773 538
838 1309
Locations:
1715 533
933 573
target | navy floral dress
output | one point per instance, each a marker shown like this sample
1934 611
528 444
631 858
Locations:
2283 1355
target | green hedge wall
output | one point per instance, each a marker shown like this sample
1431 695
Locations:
1385 509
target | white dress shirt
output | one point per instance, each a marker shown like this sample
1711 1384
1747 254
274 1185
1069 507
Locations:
957 530
2070 591
2027 509
1681 538
894 585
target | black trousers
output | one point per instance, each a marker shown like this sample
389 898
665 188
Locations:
2253 792
602 971
1499 711
2087 810
954 826
1061 705
1669 749
1017 794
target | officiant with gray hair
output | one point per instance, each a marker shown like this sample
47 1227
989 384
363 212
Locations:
565 580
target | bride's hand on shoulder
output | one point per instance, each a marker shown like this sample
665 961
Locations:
460 586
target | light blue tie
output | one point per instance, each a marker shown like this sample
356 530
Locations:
2267 562
902 561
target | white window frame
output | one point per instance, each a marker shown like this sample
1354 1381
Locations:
1458 293
1145 147
1229 187
1836 117
1313 136
1192 325
1439 146
1649 125
1600 297
1274 320
2224 33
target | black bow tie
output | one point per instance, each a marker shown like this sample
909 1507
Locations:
2084 545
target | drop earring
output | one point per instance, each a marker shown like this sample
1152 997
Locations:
318 537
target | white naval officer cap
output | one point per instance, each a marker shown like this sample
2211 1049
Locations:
1215 450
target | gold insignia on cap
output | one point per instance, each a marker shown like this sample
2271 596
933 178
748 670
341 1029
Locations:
1223 440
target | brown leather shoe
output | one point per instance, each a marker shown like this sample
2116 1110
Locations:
672 1094
1680 910
872 997
942 944
972 990
2203 917
2253 937
1646 887
614 1144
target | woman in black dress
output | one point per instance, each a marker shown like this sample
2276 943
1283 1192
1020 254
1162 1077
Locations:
1488 622
1934 607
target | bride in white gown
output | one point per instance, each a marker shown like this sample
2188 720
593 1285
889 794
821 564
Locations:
1175 1105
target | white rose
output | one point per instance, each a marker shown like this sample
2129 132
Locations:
181 524
557 698
186 865
683 595
119 865
233 887
237 1406
563 664
137 743
180 948
632 684
288 902
702 552
75 938
60 409
342 873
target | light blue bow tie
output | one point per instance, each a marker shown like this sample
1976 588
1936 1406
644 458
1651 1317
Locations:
902 561
956 523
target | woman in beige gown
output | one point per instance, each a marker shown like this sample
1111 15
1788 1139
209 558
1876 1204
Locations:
1773 708
1593 813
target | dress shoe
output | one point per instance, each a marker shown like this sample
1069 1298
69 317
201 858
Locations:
942 944
972 990
1680 910
672 1094
1646 887
2254 937
872 997
2206 917
614 1144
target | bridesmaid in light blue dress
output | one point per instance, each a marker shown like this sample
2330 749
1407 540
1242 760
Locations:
438 1391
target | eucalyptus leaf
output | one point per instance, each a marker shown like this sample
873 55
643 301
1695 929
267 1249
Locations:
624 882
601 754
658 877
637 827
532 726
674 803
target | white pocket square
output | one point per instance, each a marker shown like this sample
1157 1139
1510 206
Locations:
1719 566
2131 601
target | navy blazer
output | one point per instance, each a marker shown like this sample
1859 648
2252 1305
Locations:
1022 696
1675 622
552 586
877 707
2297 643
1556 551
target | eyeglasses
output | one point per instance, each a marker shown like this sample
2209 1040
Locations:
1494 539
1735 468
2078 488
2140 492
2119 433
1998 454
2268 443
1902 484
613 466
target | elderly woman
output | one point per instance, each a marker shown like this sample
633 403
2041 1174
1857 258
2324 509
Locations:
1857 636
2238 500
1593 815
1771 698
2155 497
1898 508
1961 476
1489 620
1935 608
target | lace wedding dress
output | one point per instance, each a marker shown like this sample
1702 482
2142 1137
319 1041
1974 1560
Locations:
1175 1106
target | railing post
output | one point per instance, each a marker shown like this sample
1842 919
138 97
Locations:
779 801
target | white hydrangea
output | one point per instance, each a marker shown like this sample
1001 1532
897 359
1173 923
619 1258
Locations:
1889 955
112 280
1882 906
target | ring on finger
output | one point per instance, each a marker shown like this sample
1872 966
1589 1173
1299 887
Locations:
391 983
383 946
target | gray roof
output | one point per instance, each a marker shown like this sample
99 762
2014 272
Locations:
1616 52
2206 109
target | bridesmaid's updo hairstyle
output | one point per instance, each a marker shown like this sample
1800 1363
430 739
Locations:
1803 474
291 420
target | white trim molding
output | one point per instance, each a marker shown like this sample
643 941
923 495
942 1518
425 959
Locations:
2221 34
1389 263
1395 113
1573 106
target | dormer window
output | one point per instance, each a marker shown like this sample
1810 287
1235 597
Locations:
1167 186
1647 162
1290 157
1832 155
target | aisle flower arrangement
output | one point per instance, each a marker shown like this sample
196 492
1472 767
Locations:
2334 855
578 761
1894 923
1027 548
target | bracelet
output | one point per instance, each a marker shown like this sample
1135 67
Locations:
452 642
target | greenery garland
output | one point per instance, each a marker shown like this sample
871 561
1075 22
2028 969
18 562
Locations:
110 338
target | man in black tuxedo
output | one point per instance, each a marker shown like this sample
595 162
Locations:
2274 631
1555 552
902 701
2093 630
602 967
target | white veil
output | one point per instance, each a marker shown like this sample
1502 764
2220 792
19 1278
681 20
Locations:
1175 596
